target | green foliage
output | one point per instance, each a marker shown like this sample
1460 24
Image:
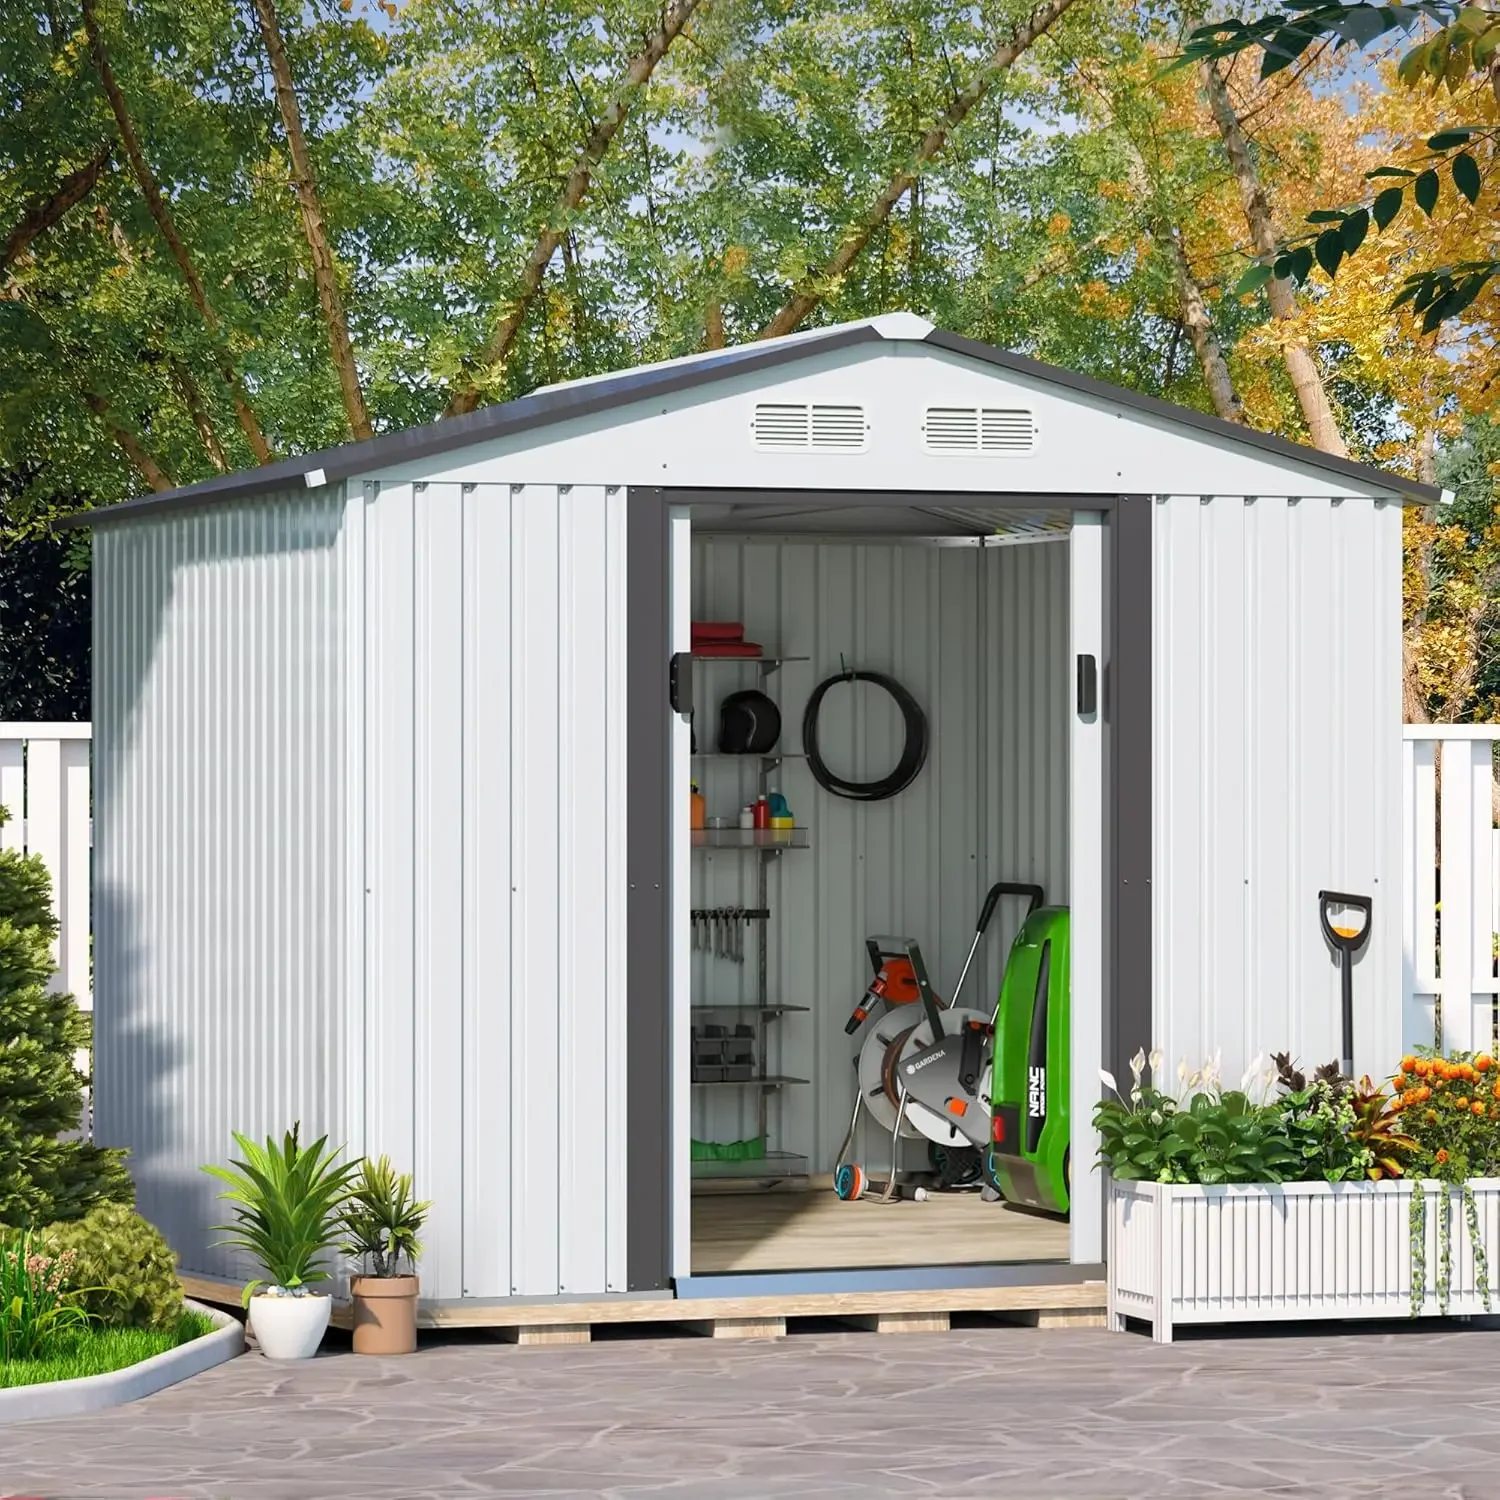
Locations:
1214 1136
288 1203
36 1311
382 1219
43 1178
127 1268
97 1351
44 629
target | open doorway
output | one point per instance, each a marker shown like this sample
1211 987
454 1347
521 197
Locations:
966 618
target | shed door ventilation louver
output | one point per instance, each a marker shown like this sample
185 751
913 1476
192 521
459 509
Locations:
975 429
799 428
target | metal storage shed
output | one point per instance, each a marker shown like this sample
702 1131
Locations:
391 827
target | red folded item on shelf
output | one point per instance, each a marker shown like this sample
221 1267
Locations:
718 630
726 648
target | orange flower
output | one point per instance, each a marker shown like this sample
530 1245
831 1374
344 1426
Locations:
1478 1106
1421 1067
1424 1094
1462 1102
1442 1157
1438 1085
1408 1065
1400 1080
1467 1070
1484 1062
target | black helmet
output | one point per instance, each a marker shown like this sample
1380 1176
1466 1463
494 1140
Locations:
749 724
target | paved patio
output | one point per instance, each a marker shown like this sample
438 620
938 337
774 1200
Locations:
990 1412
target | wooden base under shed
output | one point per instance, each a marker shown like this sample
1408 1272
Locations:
544 1323
813 1230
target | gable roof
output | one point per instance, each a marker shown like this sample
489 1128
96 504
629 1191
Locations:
600 393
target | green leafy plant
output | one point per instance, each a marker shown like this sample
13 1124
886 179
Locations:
382 1219
1320 1119
35 1310
1212 1136
44 1176
96 1351
128 1268
288 1200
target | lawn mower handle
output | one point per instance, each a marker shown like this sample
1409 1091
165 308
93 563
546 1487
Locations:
1034 894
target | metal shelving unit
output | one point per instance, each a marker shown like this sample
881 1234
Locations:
769 843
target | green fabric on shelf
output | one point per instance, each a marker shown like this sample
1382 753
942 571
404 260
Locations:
751 1150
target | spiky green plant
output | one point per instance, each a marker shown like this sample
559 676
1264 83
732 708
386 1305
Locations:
382 1219
288 1199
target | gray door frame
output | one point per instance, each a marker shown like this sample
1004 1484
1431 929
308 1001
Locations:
1126 700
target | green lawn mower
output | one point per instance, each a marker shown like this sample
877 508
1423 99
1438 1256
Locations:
1028 1160
997 1089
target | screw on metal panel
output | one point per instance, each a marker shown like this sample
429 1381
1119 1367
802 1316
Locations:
516 489
420 484
466 487
563 489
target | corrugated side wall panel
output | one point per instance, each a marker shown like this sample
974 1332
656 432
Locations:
981 640
218 879
495 968
1276 696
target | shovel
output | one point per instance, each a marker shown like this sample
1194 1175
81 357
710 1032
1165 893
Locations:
1346 941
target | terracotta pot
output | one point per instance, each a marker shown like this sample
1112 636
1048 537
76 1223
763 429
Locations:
385 1314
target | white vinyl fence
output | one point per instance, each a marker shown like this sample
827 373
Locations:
1452 898
44 786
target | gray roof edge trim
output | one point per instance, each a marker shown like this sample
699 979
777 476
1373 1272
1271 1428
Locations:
487 424
1348 468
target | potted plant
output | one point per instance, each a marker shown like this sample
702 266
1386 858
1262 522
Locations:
287 1203
1329 1199
381 1221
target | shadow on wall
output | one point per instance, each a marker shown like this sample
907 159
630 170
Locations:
218 758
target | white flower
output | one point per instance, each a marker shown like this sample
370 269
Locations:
1195 1081
1182 1070
1138 1064
1108 1080
1156 1060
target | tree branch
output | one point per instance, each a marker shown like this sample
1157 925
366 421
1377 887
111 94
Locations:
151 192
1307 379
637 75
130 445
815 287
42 213
325 271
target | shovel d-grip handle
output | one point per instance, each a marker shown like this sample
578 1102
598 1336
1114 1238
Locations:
1346 944
1341 938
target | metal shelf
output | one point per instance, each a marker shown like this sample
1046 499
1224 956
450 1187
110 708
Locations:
766 840
774 1081
765 664
740 1008
772 1164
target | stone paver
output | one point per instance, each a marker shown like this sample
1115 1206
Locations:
983 1412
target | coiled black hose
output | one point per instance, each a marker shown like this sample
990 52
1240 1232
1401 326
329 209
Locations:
913 753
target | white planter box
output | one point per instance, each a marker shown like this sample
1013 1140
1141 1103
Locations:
1298 1250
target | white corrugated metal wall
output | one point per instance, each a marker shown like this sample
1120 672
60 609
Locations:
218 891
494 845
981 640
1276 698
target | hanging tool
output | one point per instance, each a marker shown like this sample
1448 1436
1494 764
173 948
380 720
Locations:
1346 942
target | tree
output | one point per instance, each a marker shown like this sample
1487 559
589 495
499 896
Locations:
44 1178
1460 53
44 631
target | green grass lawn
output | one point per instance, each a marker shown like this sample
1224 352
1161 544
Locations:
101 1350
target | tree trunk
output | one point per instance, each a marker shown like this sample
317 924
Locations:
637 75
816 287
1200 329
130 445
713 325
151 192
1307 380
325 270
192 398
42 213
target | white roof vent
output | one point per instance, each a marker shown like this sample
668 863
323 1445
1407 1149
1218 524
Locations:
799 428
978 429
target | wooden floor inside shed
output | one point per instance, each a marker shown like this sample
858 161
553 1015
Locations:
812 1230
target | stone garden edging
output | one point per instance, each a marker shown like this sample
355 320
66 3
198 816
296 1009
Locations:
71 1398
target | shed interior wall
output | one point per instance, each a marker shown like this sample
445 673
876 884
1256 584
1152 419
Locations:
980 636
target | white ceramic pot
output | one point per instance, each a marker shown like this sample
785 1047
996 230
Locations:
289 1327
